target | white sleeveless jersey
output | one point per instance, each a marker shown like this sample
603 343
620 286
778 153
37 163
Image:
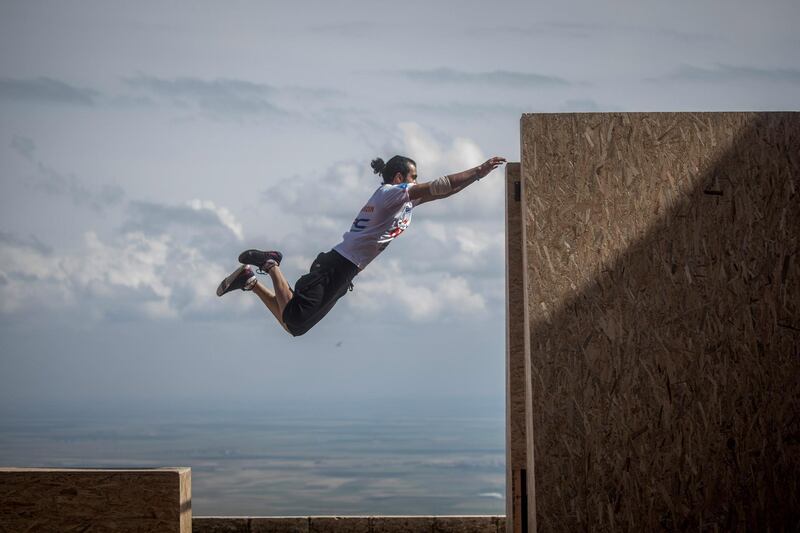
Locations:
385 216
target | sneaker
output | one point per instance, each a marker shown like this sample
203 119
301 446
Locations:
263 261
241 278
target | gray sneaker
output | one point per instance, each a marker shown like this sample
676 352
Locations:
262 260
241 278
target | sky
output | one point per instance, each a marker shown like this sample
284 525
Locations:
143 145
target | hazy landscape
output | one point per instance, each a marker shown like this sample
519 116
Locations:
307 460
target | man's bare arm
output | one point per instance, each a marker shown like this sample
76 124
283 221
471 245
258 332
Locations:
458 181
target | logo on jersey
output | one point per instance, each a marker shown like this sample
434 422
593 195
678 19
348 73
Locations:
359 224
401 222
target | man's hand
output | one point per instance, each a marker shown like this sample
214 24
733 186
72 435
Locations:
485 168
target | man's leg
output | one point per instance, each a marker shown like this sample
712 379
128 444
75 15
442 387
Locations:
243 278
283 293
268 297
269 262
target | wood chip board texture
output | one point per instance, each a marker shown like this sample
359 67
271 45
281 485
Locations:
516 335
64 500
663 286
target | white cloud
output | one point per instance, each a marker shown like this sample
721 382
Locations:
224 216
132 276
43 90
226 97
339 191
23 146
435 230
435 158
23 268
460 246
496 77
56 183
403 292
220 97
132 262
729 74
474 243
154 218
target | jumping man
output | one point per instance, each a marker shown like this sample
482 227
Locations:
384 217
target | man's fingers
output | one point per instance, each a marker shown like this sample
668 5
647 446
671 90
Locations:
491 164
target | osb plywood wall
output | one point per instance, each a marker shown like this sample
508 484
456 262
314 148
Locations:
42 499
516 332
663 284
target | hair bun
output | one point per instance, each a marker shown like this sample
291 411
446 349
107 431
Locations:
377 165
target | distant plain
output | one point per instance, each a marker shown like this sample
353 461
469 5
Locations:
303 461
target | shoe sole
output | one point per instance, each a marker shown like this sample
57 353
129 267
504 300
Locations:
243 257
223 287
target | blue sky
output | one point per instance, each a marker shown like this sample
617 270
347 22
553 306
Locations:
144 145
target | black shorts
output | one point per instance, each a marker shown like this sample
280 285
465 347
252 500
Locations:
316 292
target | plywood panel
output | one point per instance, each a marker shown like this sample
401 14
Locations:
516 453
663 285
39 499
333 524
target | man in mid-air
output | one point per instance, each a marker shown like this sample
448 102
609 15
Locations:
384 217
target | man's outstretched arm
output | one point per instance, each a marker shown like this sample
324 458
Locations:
452 183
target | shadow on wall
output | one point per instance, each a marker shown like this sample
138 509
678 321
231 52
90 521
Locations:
666 394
